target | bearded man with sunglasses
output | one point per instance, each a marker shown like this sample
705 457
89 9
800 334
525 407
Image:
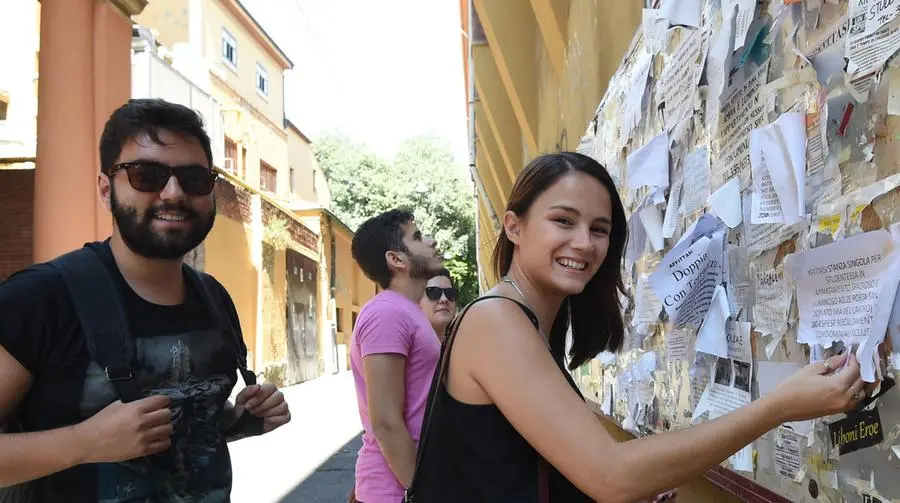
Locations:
153 425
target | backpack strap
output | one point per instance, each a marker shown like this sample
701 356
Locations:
211 293
102 317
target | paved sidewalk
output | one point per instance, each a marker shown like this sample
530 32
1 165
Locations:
312 458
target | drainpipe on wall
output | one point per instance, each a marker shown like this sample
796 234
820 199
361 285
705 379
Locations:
323 331
335 361
471 85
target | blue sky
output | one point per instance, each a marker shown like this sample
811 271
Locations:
380 71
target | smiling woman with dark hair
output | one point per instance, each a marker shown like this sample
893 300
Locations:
508 423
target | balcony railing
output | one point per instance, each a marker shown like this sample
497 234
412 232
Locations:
153 77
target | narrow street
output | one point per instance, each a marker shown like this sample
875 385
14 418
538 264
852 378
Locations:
311 459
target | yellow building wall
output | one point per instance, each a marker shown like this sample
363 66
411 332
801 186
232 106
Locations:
262 141
346 271
249 53
365 290
228 258
598 36
352 288
170 19
563 88
251 121
310 183
274 313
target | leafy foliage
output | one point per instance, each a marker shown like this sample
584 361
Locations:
422 177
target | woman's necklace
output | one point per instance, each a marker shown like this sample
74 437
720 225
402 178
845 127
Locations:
507 279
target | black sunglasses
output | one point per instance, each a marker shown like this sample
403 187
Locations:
434 293
148 176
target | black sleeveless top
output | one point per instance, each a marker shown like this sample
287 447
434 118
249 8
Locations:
473 454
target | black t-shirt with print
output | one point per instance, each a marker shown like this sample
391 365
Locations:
180 352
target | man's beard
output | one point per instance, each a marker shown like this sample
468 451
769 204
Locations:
419 267
138 234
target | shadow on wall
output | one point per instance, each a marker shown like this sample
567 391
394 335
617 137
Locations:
228 257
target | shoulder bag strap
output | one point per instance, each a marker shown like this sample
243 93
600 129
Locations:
439 375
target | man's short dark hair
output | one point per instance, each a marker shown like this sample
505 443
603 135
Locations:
374 238
147 117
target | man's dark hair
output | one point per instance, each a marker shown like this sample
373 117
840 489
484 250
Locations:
374 238
147 117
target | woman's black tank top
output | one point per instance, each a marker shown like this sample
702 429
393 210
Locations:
473 454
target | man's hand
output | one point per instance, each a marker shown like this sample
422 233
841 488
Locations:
124 431
265 401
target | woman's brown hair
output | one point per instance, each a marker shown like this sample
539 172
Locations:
595 312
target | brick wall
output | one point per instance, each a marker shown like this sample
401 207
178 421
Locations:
299 232
233 201
16 221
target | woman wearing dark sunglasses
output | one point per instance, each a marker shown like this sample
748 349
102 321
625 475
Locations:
439 302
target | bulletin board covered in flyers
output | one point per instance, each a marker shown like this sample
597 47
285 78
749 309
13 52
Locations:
756 146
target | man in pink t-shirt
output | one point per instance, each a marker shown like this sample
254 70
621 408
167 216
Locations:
393 352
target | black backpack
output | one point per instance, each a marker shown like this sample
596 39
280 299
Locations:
104 322
98 305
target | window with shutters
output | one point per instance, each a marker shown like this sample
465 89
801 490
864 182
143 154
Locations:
268 177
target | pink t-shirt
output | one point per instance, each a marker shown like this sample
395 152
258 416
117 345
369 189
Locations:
391 323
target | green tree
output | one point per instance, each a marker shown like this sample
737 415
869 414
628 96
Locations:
422 177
